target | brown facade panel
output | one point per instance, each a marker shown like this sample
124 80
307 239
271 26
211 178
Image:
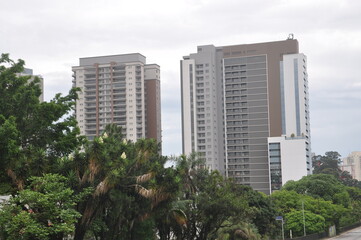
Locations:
258 141
258 128
258 147
256 160
274 52
151 101
261 102
260 172
264 166
259 154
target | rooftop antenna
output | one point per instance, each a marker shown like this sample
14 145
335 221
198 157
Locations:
290 36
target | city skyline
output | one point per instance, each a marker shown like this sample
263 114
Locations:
50 37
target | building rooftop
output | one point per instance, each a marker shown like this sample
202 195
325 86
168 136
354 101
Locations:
126 58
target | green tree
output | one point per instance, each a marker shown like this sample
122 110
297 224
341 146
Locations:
129 181
44 210
33 134
355 206
346 179
324 186
209 199
285 201
241 231
327 164
314 223
288 201
330 164
262 211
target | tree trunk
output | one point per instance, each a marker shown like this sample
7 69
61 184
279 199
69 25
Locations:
58 236
80 231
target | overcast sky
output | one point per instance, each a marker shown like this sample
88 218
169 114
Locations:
51 36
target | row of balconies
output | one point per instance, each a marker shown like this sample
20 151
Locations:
238 154
236 104
237 123
234 67
242 79
230 93
234 86
237 148
236 117
237 129
236 110
236 74
232 172
235 99
238 160
237 166
237 135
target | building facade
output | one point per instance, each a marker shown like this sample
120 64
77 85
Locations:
120 89
245 110
352 164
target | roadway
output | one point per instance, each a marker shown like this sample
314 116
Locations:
354 234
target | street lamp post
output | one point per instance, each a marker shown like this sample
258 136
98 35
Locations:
280 218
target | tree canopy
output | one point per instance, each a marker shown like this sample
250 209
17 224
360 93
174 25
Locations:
44 210
321 195
33 134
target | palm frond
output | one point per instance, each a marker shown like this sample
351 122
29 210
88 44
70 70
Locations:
160 196
145 177
147 193
103 187
180 217
18 182
94 168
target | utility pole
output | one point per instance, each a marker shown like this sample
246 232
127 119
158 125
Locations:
283 231
304 221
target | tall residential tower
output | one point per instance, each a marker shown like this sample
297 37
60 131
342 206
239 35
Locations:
119 89
245 110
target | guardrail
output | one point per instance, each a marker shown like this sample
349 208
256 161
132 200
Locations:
326 234
345 229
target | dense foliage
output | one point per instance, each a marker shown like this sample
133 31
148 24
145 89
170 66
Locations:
33 134
313 222
326 197
44 210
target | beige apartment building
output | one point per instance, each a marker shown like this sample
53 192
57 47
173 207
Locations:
120 89
352 164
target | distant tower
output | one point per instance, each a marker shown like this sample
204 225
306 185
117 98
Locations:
29 72
245 110
119 89
352 164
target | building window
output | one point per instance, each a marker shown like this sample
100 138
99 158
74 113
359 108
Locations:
275 165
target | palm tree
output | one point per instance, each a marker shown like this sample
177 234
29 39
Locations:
127 180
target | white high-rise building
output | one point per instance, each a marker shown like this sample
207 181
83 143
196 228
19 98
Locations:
119 89
288 152
245 110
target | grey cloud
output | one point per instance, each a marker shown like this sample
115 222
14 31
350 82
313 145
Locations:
51 36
